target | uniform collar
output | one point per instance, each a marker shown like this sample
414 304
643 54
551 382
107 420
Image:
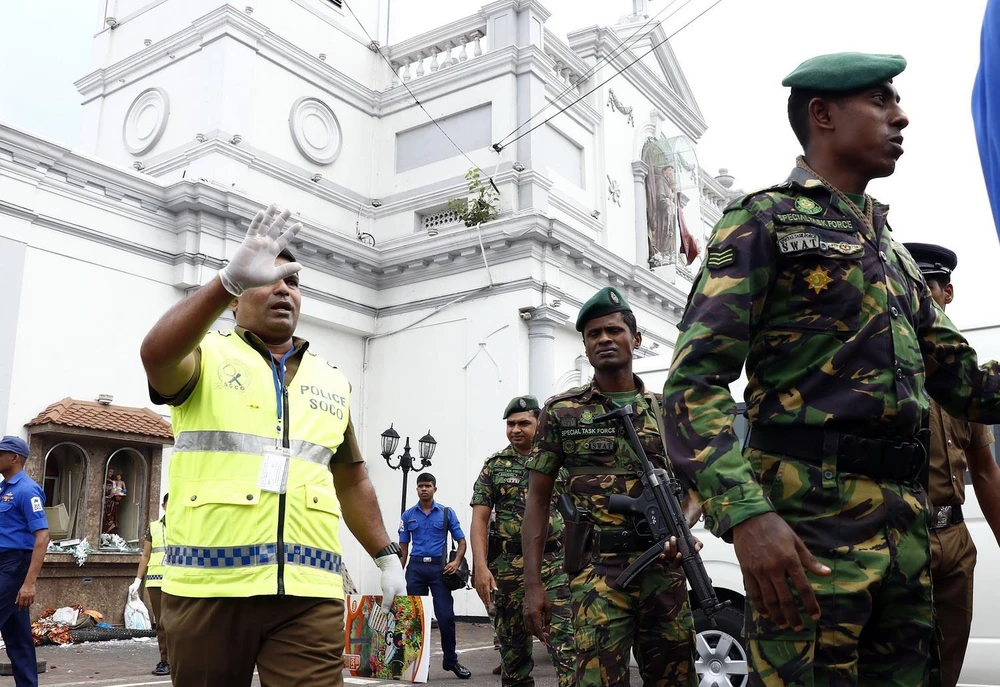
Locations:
299 345
593 390
806 180
511 451
14 479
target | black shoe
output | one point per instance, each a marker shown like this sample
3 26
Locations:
162 668
461 671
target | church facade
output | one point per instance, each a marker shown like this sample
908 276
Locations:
198 114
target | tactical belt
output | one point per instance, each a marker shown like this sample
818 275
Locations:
621 540
945 516
599 470
879 459
514 547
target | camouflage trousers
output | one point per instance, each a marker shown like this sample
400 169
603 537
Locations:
508 622
653 616
877 619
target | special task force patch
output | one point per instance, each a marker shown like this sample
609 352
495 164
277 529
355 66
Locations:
807 206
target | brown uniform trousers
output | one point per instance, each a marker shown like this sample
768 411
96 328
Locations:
155 597
953 558
292 641
953 555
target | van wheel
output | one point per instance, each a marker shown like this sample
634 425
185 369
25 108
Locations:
720 650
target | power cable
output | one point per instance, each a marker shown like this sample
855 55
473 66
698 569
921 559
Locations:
618 50
377 48
499 147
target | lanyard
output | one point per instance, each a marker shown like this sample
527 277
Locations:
278 373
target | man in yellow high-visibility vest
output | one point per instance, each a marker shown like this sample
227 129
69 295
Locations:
151 570
253 556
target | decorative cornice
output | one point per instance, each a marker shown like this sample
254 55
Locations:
597 43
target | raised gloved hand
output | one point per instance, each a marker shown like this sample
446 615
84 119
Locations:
134 587
393 580
253 262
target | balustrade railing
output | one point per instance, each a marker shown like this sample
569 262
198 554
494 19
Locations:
436 50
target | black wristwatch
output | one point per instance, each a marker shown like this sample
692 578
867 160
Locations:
391 547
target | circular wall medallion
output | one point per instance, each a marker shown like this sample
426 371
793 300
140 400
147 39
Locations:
315 130
145 120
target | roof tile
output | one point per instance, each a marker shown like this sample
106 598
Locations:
92 415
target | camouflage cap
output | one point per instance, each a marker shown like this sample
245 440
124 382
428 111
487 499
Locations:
933 259
845 71
604 302
520 404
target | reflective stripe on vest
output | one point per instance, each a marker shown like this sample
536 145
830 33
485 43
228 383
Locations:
258 554
235 442
226 538
154 569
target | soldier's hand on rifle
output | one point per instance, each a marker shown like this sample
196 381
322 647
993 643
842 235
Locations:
672 554
485 584
537 611
771 554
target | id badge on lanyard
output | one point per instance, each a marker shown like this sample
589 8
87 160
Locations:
274 470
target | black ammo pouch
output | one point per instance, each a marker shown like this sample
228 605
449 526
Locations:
880 459
493 548
578 544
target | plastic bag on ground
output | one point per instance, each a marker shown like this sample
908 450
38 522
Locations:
136 615
67 615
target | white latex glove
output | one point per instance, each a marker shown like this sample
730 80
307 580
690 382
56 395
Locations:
253 262
393 579
134 587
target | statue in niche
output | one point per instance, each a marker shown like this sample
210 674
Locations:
664 213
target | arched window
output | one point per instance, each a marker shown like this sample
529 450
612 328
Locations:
65 485
124 494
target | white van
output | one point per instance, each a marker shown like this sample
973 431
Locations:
721 656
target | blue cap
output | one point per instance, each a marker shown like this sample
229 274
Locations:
12 444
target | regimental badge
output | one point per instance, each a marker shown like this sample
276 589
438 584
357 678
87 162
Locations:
567 421
614 297
798 242
568 446
819 279
807 206
844 248
8 497
586 418
523 403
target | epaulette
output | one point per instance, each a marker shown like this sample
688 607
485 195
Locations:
569 393
741 202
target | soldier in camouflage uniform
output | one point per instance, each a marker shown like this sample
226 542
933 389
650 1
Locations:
653 613
805 284
498 566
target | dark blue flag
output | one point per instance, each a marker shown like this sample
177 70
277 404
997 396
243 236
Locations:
986 105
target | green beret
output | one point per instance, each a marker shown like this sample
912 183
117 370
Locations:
604 302
845 71
520 404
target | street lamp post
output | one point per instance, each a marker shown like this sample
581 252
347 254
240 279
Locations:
406 462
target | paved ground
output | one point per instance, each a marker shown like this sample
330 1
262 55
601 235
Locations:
128 663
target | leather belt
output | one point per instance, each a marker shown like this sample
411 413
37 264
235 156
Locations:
621 540
880 459
945 516
514 547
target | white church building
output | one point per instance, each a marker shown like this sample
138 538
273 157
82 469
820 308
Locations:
197 114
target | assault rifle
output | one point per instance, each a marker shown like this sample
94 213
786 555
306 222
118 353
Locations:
660 506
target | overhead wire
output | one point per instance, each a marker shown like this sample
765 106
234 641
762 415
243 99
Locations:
378 48
499 148
618 50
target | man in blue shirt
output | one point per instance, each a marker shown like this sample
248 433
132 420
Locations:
24 537
423 525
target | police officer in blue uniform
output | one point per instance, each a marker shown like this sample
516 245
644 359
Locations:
24 537
423 525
